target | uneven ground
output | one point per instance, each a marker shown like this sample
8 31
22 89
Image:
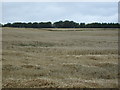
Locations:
60 58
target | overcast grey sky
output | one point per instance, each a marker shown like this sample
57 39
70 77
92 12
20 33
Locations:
50 11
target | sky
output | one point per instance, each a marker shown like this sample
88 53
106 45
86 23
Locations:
85 12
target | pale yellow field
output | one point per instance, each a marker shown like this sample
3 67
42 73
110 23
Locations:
60 58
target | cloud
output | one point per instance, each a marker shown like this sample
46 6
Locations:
92 18
51 11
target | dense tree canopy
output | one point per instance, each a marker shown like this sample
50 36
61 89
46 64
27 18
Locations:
61 24
66 24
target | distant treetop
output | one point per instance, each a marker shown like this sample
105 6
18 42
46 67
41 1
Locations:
61 24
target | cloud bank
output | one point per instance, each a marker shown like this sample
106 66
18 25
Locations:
50 11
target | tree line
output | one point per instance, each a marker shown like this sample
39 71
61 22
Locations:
61 24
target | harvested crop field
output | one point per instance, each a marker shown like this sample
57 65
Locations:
59 58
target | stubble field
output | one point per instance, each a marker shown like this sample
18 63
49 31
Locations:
59 58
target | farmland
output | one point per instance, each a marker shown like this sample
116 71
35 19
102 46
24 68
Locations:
59 58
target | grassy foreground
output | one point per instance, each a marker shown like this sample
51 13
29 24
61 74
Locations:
59 58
